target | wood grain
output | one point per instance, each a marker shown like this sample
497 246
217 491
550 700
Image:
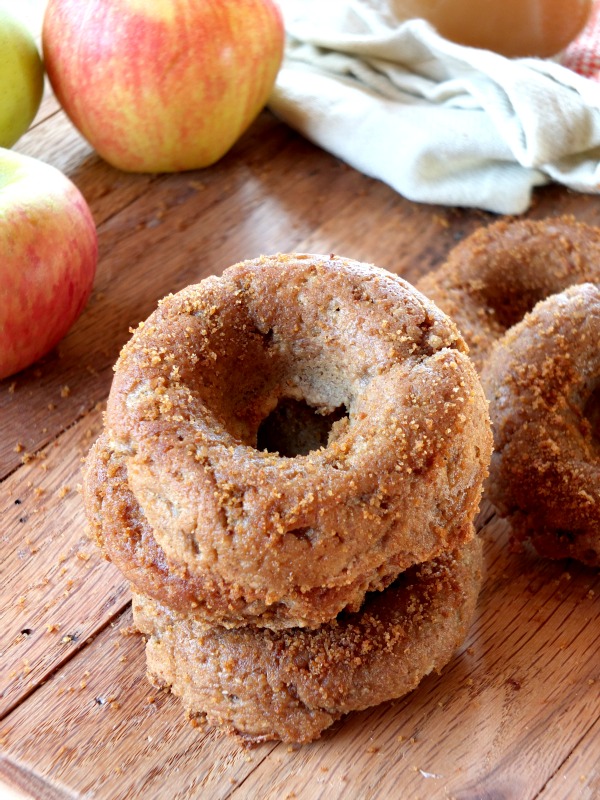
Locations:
500 719
101 726
56 589
580 774
273 192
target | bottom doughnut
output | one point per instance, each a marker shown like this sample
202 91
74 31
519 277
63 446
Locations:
291 685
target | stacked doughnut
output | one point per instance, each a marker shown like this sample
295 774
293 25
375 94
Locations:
291 463
526 296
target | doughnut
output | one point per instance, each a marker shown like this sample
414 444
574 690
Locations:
292 684
245 525
543 382
497 274
120 529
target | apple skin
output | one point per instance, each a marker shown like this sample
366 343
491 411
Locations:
162 85
48 256
21 79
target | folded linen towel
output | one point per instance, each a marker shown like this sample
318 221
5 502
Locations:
439 122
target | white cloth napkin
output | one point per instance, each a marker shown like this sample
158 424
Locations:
439 122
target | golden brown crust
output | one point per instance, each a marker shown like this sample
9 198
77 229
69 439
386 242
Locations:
496 275
543 380
301 537
293 684
120 529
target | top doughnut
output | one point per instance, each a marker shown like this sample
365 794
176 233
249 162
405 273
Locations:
499 273
291 529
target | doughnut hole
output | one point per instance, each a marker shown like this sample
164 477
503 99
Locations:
499 273
591 412
509 303
521 263
294 428
509 291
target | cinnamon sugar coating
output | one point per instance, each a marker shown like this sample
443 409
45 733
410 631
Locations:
543 382
251 536
497 274
293 684
122 532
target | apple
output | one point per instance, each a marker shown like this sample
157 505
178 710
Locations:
21 79
48 255
162 85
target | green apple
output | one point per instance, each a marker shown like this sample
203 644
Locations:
21 78
162 85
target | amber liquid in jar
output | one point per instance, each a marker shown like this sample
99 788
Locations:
512 27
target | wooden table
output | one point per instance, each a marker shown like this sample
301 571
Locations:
516 714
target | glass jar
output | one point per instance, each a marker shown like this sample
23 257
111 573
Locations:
512 27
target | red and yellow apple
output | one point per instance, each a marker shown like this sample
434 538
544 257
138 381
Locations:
21 78
162 85
48 255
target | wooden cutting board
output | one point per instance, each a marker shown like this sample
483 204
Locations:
516 714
